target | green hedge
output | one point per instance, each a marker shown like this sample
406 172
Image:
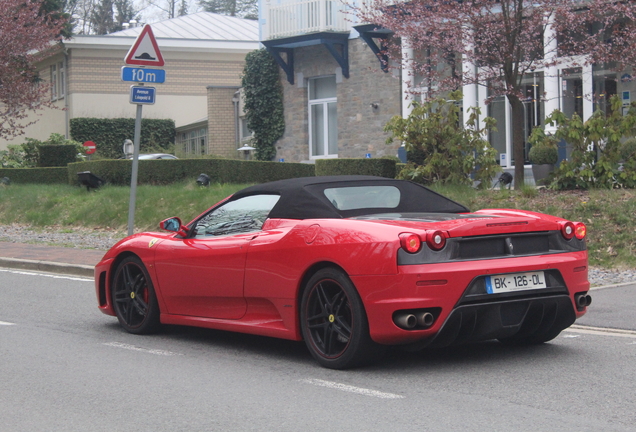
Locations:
109 134
35 175
57 155
374 167
166 171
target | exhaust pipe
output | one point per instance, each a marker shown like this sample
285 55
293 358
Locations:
405 320
582 300
425 319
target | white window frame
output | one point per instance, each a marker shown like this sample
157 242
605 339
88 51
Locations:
325 107
193 142
53 75
61 73
58 84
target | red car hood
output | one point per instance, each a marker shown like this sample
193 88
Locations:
483 222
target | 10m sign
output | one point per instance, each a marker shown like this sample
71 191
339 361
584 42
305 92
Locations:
142 75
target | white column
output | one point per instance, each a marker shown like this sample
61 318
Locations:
469 89
263 19
322 15
588 92
408 78
508 117
550 73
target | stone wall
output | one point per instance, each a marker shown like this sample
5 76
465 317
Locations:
359 124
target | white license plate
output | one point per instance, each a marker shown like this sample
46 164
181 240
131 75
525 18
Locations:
515 282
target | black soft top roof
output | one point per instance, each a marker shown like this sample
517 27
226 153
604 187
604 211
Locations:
304 198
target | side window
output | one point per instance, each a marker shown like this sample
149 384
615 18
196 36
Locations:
236 217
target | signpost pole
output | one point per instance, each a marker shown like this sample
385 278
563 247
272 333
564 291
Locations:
144 52
135 170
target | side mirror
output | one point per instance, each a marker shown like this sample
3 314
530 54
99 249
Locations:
174 225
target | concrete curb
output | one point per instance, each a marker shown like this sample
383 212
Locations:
48 266
616 285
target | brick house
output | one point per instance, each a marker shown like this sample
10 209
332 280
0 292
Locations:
202 52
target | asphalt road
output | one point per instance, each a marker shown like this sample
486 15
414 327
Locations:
66 367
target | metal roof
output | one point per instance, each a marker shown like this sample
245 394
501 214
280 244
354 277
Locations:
199 32
203 26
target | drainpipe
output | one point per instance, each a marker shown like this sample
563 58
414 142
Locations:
67 115
235 100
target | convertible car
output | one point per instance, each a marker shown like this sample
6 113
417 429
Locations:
350 265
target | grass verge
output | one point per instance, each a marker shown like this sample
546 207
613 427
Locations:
106 208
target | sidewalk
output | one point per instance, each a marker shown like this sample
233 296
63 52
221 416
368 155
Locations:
79 262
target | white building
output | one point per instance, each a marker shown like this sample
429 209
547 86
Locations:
318 45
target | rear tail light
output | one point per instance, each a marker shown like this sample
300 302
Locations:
567 230
436 240
410 242
580 230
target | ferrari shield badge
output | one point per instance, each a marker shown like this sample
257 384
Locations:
152 242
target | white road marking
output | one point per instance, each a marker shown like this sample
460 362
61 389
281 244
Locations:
145 350
571 336
351 389
6 323
601 331
73 278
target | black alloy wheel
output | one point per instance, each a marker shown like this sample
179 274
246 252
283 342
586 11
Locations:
334 323
134 298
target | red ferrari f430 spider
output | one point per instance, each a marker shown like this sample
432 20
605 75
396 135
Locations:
351 264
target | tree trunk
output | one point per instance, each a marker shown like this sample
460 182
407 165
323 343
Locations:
517 139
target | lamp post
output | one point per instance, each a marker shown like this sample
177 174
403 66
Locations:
246 149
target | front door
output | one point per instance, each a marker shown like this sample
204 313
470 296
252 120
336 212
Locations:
203 277
203 274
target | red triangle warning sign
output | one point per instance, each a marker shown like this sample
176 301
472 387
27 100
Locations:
145 51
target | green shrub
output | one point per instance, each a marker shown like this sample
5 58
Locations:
13 157
540 155
31 152
374 167
596 148
165 171
35 175
628 149
263 102
440 149
544 148
56 151
109 134
57 155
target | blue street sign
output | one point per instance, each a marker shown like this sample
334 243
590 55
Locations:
142 95
142 75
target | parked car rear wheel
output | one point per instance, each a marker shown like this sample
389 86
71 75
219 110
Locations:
334 323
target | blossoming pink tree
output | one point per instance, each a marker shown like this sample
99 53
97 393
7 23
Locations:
494 43
27 34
